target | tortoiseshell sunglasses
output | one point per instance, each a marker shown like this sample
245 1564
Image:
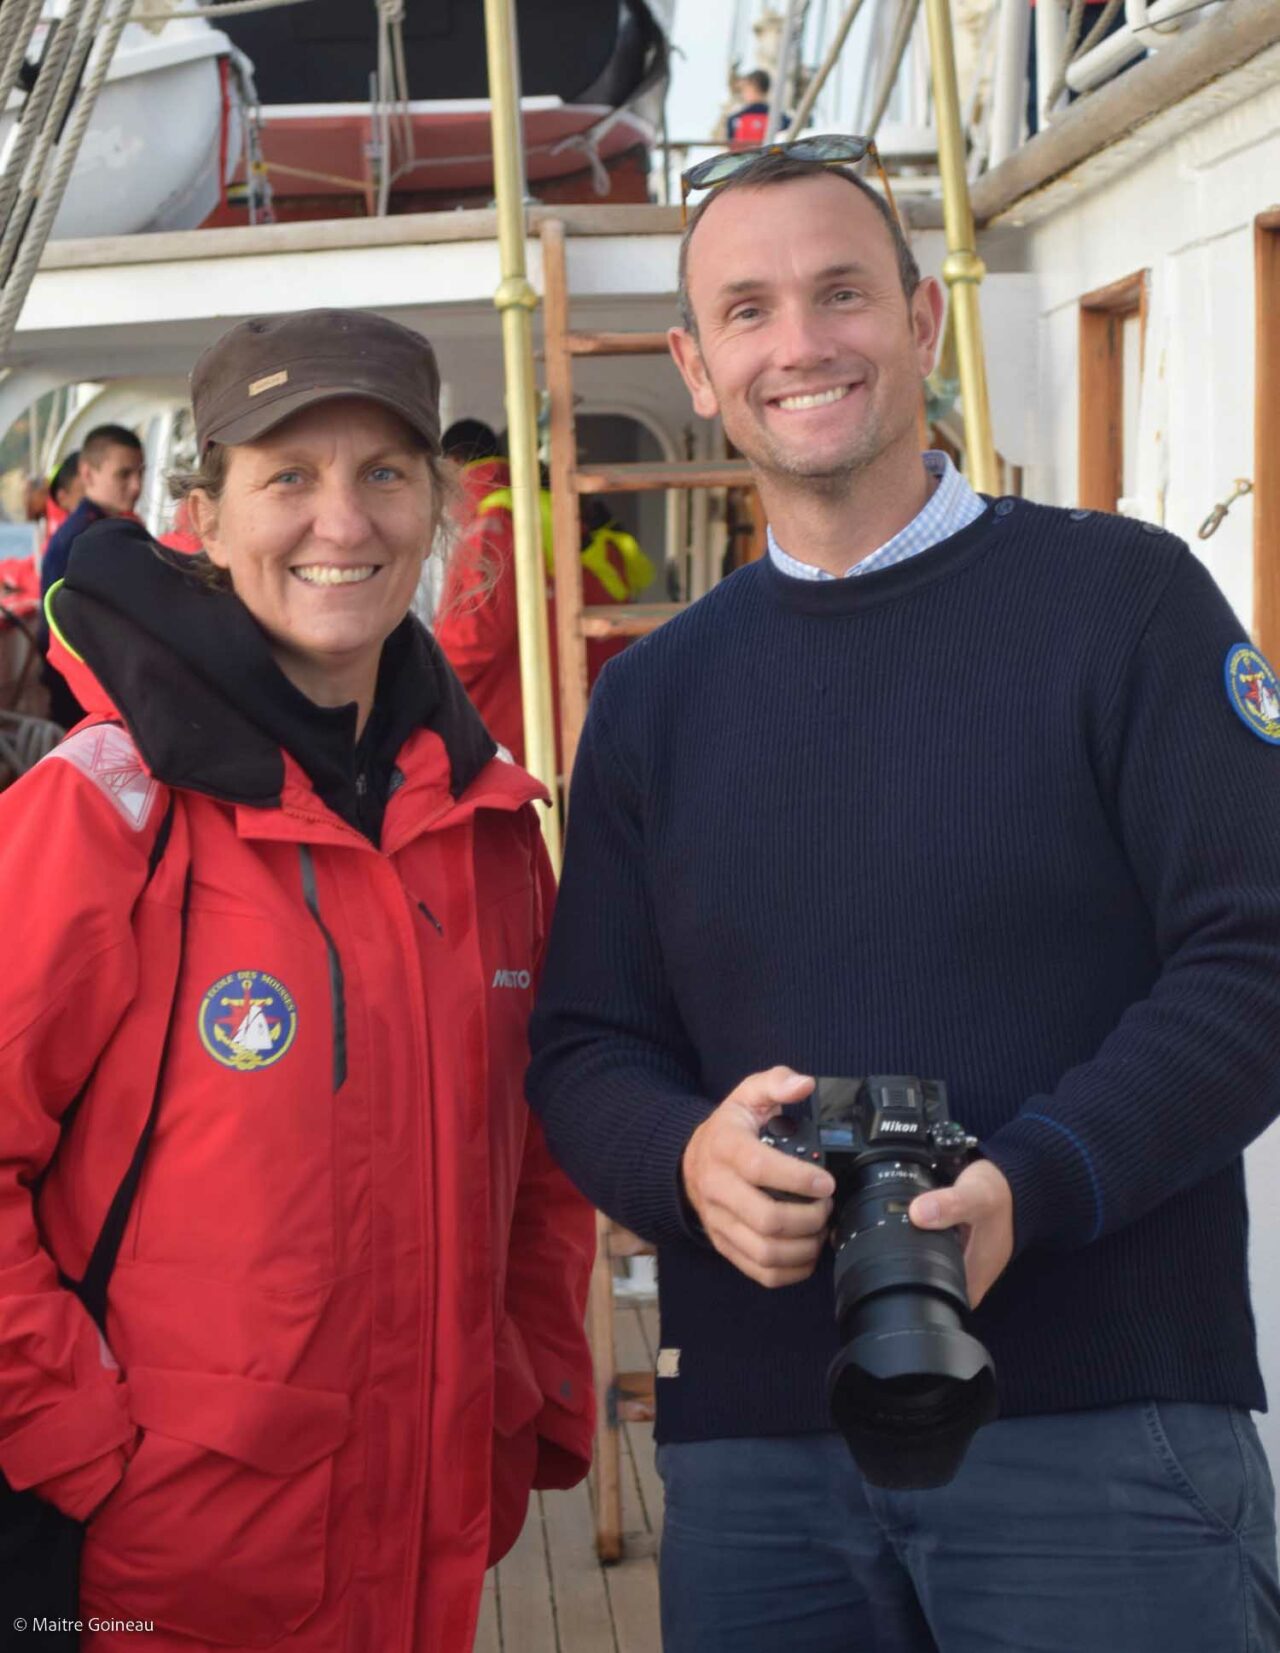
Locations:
828 148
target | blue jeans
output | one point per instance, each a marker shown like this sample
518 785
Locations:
1133 1529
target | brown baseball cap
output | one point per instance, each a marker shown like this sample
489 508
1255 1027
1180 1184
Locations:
268 368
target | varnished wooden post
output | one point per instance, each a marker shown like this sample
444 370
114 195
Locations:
608 1443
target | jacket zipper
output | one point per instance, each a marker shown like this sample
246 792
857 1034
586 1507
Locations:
337 984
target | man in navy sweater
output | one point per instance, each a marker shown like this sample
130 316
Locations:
976 790
111 468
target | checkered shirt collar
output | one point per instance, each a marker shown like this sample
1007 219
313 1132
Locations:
951 506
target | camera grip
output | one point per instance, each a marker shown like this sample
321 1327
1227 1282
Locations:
794 1132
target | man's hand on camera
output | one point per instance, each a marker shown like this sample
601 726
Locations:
980 1204
727 1169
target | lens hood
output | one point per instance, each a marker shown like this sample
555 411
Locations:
909 1399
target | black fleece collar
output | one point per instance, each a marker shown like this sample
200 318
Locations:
192 675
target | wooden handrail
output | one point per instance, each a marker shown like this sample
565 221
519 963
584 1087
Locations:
627 619
616 344
639 479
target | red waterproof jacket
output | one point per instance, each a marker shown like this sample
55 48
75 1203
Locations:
345 1328
476 623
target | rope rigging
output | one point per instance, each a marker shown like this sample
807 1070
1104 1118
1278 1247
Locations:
49 130
51 90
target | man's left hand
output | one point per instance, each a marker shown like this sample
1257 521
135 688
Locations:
980 1204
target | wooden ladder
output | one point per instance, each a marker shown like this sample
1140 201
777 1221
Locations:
622 1397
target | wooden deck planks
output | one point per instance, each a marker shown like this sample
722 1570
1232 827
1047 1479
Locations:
487 1635
642 1514
633 1583
633 1595
550 1594
641 1436
526 1615
584 1617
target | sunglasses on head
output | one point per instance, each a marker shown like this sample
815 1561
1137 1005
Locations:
829 149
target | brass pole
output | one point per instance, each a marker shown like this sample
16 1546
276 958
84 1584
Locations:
516 302
962 270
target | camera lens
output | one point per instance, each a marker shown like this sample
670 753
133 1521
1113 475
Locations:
910 1384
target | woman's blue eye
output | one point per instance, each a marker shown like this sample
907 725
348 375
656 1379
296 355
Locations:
287 476
384 472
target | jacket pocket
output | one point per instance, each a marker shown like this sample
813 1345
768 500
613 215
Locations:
1201 1451
566 1423
218 1529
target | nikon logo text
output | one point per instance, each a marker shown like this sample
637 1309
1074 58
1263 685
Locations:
511 978
898 1125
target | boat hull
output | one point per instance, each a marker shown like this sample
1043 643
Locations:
161 140
317 157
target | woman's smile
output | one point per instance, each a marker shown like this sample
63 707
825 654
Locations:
335 573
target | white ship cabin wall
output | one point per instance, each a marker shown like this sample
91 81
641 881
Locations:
1169 247
1171 243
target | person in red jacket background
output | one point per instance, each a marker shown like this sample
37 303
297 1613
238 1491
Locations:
181 535
476 622
266 1048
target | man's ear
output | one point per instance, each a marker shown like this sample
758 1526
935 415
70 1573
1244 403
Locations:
687 355
927 307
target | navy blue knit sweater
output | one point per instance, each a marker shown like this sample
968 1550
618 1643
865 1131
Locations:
987 816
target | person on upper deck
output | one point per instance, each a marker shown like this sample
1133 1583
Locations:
961 787
286 969
749 123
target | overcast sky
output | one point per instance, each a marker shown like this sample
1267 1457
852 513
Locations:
706 33
702 32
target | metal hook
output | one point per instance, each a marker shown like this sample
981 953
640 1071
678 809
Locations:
1209 527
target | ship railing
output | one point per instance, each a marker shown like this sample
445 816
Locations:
1072 55
1011 55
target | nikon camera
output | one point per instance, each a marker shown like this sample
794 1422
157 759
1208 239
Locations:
910 1383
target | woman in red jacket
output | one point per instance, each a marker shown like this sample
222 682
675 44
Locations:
273 922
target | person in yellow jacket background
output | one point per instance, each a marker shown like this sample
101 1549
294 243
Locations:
476 621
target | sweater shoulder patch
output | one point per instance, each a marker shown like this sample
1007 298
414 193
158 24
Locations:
1254 692
106 754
